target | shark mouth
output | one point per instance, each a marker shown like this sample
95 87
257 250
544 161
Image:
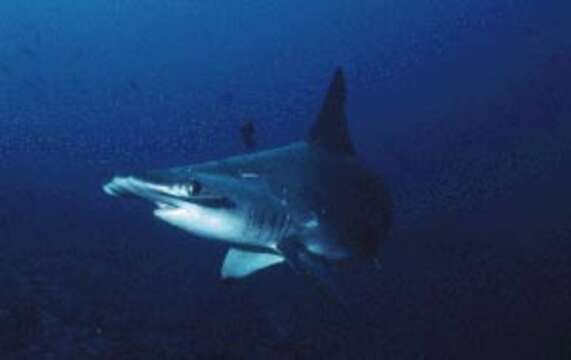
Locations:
188 206
165 197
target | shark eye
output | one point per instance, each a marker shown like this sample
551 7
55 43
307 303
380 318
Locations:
194 188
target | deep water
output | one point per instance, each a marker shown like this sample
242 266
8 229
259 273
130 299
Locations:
462 106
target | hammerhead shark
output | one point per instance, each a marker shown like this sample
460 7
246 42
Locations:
311 204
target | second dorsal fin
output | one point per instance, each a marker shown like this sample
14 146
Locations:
330 130
248 135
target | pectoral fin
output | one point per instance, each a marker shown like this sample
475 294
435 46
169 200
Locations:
240 263
317 271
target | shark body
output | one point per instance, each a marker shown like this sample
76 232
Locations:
310 204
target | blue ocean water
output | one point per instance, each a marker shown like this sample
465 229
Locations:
462 106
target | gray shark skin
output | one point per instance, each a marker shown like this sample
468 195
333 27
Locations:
311 204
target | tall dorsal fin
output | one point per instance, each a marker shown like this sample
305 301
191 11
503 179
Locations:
330 130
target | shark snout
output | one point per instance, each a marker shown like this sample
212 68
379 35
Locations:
164 196
211 216
122 186
132 186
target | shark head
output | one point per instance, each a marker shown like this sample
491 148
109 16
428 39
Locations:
208 205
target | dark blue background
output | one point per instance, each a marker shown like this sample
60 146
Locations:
463 106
